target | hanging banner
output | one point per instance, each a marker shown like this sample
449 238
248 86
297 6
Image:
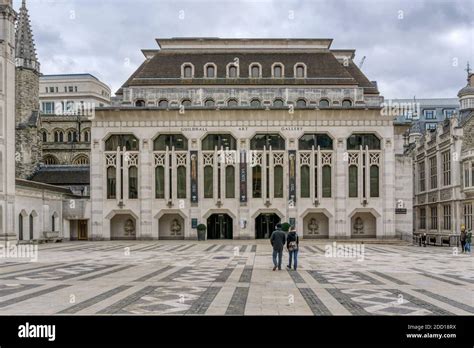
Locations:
292 176
243 176
194 176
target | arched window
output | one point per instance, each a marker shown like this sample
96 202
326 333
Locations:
278 103
72 136
133 182
32 226
87 136
255 103
324 103
278 182
20 226
208 182
129 141
209 103
50 160
232 103
260 141
225 141
178 141
278 71
300 71
346 103
163 103
232 72
355 141
140 103
111 183
58 137
353 181
301 103
187 71
81 160
210 71
307 141
53 222
44 136
255 71
230 182
186 102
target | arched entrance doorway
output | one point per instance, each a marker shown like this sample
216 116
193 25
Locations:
363 225
123 227
220 226
171 227
265 224
315 225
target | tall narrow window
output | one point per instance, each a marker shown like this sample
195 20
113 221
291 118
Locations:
421 171
255 71
187 71
447 217
446 168
422 218
374 181
433 173
133 182
305 182
353 181
327 181
208 182
160 182
111 183
31 226
53 223
278 182
257 182
230 182
434 218
300 71
20 227
44 135
181 181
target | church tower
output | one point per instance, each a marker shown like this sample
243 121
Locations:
7 120
28 143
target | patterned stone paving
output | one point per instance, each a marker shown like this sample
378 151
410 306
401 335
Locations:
235 278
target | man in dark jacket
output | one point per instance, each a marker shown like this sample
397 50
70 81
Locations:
278 239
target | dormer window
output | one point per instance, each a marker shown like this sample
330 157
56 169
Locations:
300 71
255 70
187 71
210 69
346 103
277 70
301 103
140 103
278 103
232 103
209 103
255 103
324 103
163 103
232 71
186 103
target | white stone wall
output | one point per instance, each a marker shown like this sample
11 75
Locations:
243 125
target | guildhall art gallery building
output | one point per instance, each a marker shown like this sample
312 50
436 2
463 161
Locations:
240 134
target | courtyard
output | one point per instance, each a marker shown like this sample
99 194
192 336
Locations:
235 278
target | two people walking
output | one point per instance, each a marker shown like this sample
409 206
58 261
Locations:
278 239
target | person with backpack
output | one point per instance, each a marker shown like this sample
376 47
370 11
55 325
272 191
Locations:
292 244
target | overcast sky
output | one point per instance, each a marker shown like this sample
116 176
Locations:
413 47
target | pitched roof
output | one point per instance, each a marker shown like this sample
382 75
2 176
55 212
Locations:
324 67
63 175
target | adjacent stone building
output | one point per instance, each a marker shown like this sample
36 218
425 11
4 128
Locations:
240 134
444 173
